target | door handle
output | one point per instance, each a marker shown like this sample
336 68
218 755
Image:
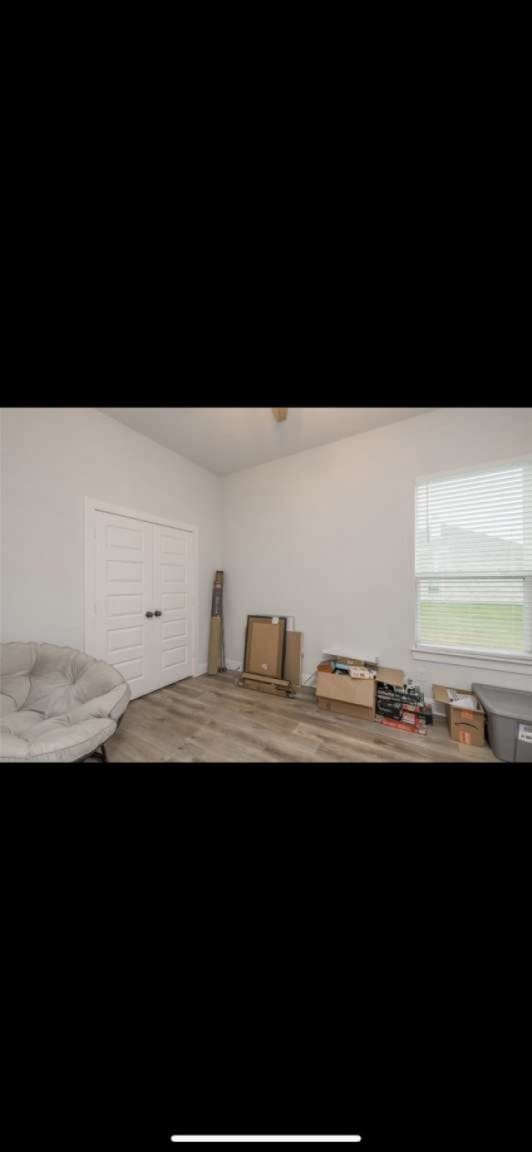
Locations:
149 613
157 613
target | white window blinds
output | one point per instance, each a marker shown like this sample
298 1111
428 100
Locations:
474 559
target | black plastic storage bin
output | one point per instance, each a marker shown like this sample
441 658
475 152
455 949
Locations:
509 715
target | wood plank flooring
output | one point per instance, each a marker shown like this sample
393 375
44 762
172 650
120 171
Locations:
210 719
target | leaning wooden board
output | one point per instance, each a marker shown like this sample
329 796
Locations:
215 645
263 686
293 659
266 679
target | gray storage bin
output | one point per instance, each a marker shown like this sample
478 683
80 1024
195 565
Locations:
509 716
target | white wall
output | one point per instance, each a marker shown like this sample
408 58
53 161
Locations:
1 529
328 536
325 535
52 459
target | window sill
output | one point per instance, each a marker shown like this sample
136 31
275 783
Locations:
519 665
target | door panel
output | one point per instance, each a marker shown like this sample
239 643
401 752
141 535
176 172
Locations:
169 603
128 605
172 548
172 628
124 572
124 593
120 638
142 567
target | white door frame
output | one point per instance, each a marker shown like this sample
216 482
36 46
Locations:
92 506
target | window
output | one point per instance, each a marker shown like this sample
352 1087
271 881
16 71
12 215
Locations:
474 560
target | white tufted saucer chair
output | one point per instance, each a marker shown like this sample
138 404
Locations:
56 704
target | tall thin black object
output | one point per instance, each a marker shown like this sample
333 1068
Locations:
217 595
217 611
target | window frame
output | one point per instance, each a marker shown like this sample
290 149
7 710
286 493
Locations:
487 657
501 654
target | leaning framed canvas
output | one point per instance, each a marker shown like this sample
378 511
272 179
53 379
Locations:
265 645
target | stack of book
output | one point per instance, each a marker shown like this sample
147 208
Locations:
403 708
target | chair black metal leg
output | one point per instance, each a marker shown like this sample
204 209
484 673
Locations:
98 754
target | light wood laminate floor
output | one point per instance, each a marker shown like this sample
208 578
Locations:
209 718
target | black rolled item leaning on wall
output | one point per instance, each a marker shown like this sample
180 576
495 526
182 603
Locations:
216 660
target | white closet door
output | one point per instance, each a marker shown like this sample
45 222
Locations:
172 575
124 592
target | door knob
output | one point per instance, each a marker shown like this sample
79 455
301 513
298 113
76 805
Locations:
157 613
149 613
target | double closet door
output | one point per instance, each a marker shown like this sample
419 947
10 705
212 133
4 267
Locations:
142 603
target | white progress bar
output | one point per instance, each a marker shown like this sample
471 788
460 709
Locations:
265 1139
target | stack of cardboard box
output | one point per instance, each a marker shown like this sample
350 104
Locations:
360 688
403 707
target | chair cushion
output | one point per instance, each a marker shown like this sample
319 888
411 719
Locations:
18 658
56 703
62 678
55 740
16 723
112 704
7 705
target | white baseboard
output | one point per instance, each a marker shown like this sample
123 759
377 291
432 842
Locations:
231 665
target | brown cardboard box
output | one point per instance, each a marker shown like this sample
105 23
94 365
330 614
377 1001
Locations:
385 675
357 711
391 676
293 659
265 642
347 660
349 691
360 694
466 726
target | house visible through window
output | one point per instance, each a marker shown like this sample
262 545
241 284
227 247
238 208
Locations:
474 560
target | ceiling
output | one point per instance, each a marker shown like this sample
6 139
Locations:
228 439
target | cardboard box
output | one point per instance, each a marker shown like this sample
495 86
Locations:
466 725
359 692
356 711
349 660
392 676
384 675
346 654
354 692
265 645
